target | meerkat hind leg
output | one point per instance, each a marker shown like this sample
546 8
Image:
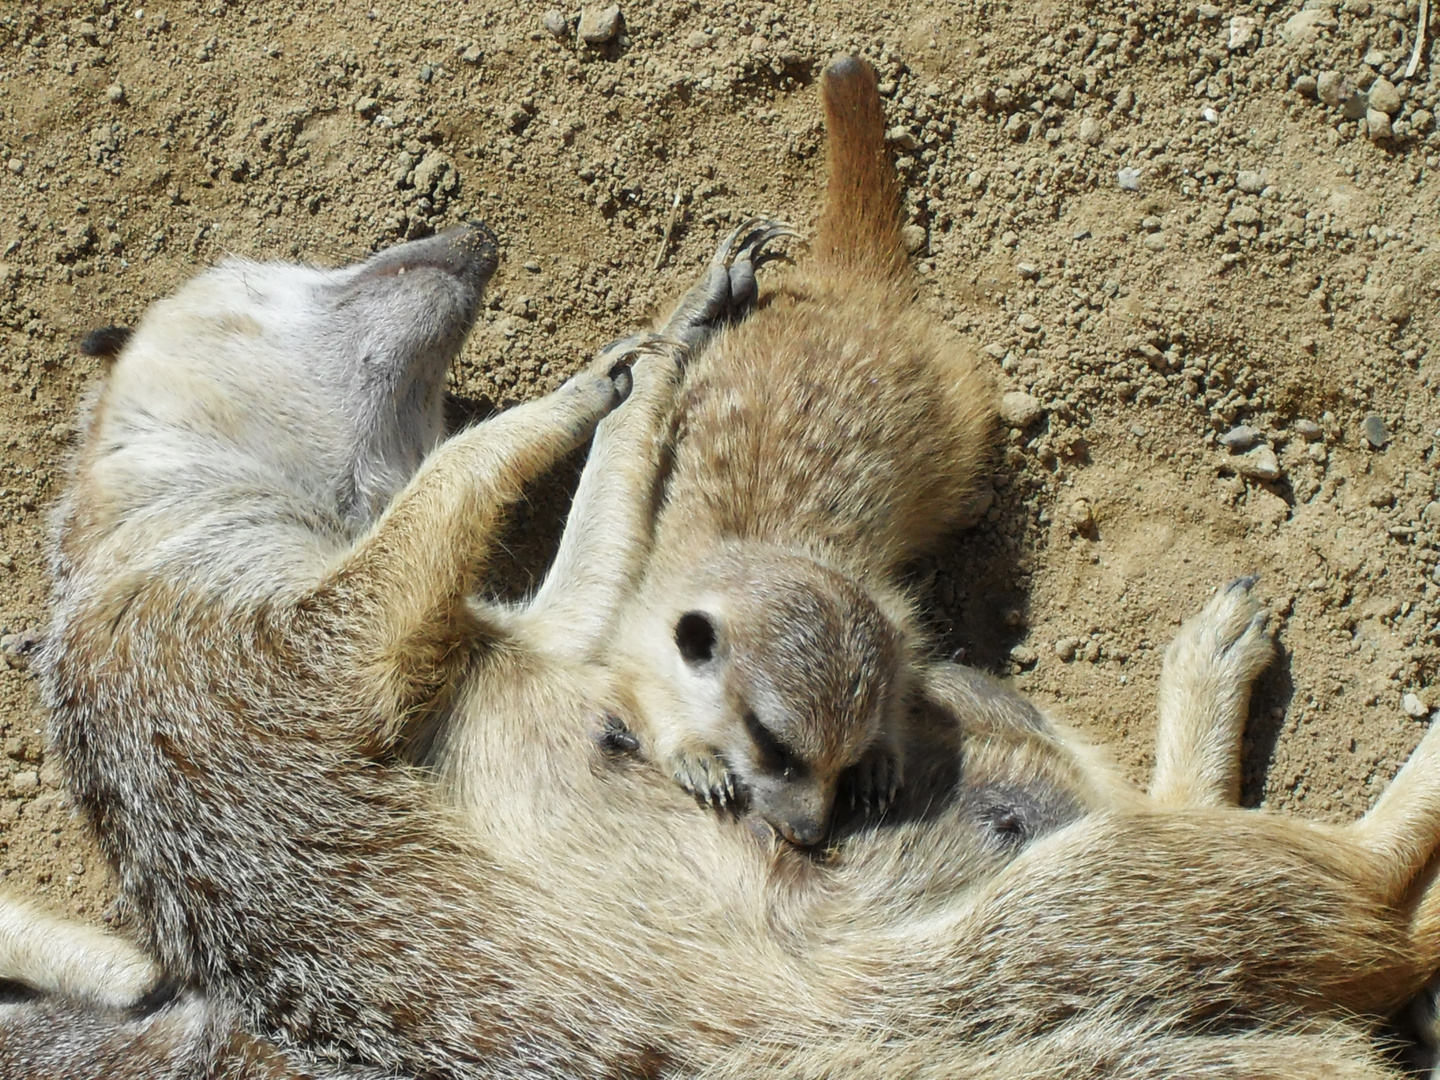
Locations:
607 532
1205 699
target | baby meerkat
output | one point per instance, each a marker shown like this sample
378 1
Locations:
818 446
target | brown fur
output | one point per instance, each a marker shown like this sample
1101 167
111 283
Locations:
233 730
819 445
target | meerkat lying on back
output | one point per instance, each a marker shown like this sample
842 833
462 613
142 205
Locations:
819 445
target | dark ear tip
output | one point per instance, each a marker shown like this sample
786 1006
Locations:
106 341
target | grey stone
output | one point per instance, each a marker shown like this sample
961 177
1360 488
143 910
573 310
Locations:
1308 430
1372 431
1239 439
1411 703
1065 648
599 25
554 22
1377 125
1091 131
1128 178
1305 86
914 238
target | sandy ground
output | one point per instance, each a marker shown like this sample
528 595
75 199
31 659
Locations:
1153 226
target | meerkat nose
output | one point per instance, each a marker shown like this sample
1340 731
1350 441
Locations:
802 832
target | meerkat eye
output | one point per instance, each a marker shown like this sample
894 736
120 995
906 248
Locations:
773 755
695 637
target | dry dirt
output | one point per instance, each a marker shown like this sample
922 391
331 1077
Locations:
1275 268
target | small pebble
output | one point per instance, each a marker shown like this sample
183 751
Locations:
1155 241
1259 464
1065 648
1209 115
1317 453
1332 88
554 22
903 137
1250 182
1377 125
914 238
1009 238
1028 271
1308 430
115 93
1091 131
17 648
1020 410
1028 322
597 26
26 783
15 165
1024 656
1414 707
1239 439
1372 431
1383 499
1242 215
1079 516
1355 106
1382 95
1305 86
1128 178
1242 33
1138 430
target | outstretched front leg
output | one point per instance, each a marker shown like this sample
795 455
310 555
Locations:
608 531
1205 699
399 597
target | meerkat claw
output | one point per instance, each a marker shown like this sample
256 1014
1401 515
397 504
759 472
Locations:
706 776
727 290
873 782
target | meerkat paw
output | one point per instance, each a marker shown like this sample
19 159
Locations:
726 291
872 783
1227 641
705 775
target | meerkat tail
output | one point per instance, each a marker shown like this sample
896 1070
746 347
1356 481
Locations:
859 230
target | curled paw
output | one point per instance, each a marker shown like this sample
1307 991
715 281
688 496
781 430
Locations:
871 784
726 291
704 774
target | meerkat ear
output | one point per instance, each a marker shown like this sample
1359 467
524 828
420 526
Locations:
695 637
106 342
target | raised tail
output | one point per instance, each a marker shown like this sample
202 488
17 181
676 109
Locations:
859 230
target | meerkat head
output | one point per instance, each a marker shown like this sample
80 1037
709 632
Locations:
790 672
332 378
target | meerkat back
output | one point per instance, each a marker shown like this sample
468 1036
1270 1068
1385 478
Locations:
841 417
819 444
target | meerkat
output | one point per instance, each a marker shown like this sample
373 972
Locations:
819 445
246 633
